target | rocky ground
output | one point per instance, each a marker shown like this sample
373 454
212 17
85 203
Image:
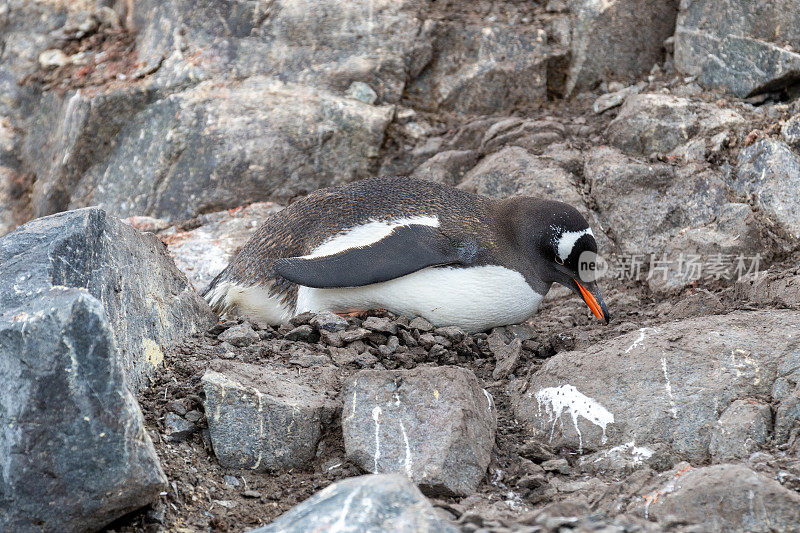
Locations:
126 405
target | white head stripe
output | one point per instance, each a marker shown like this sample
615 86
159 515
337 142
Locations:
567 241
368 233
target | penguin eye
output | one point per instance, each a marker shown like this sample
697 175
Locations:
559 260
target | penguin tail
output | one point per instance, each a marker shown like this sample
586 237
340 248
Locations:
216 293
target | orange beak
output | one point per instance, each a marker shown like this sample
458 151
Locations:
591 301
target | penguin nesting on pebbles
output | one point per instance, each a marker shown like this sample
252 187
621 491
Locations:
413 247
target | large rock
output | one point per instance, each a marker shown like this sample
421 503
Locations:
149 303
745 47
481 69
605 44
650 123
74 453
647 205
770 171
266 417
447 167
215 145
366 503
662 388
532 135
27 28
328 44
514 172
722 498
434 425
676 225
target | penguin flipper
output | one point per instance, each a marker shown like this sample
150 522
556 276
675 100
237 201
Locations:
405 250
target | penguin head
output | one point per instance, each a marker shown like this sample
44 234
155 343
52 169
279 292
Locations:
564 250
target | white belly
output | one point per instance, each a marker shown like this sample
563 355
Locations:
472 298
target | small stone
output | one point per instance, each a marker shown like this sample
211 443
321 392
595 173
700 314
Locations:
506 355
179 407
194 416
427 340
361 91
791 131
392 344
408 339
523 332
381 325
353 334
53 58
532 481
301 319
719 141
344 356
453 333
613 99
329 322
240 335
420 324
556 465
251 494
178 429
300 333
366 360
331 338
231 481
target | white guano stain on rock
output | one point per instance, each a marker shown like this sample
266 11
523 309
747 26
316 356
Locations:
639 340
341 522
488 399
667 385
376 416
409 464
639 454
556 400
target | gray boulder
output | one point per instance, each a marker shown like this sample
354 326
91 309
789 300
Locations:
532 135
148 302
482 69
650 123
742 46
447 167
660 388
770 171
743 427
365 503
605 44
434 425
646 203
513 171
654 209
328 44
74 453
266 417
722 498
217 145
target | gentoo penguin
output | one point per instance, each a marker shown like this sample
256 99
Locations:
413 247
